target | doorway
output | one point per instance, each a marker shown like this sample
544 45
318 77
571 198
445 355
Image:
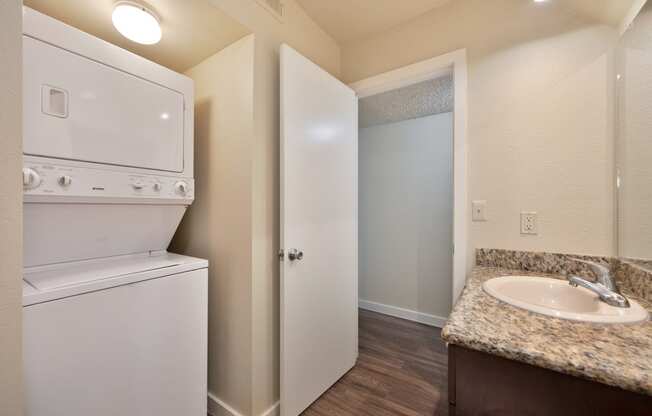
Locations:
412 189
405 221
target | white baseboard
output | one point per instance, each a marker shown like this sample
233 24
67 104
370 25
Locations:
410 315
217 407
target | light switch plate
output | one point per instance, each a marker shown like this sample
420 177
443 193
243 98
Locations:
479 209
529 223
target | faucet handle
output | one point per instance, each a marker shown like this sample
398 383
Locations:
602 273
606 295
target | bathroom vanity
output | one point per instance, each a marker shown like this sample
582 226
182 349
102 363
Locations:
505 360
535 348
484 384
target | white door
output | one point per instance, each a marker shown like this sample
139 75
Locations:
319 209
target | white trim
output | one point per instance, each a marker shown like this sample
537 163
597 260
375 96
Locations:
432 68
411 74
394 79
410 315
217 407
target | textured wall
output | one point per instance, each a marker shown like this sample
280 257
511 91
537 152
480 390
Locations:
406 214
218 224
11 194
540 122
634 140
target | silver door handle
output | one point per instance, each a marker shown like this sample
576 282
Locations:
294 254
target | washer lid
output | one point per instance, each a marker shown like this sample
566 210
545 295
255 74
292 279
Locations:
58 281
85 272
58 276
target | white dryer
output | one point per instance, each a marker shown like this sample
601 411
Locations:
113 323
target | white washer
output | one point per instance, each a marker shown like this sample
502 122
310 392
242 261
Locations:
119 336
113 324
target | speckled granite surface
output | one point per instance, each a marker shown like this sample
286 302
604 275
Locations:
645 264
617 354
633 278
551 263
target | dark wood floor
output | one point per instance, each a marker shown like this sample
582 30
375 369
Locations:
401 370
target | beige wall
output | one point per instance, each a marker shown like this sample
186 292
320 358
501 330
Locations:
540 125
297 29
219 223
11 243
261 156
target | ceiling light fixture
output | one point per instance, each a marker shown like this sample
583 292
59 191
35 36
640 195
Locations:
136 22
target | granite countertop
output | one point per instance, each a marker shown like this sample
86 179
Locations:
615 354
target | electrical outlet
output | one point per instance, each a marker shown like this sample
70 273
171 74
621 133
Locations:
479 209
529 223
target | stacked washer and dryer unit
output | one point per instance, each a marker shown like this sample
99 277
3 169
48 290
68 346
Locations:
113 323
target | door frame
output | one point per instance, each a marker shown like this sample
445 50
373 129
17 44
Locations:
451 63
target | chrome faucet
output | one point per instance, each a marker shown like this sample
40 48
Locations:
605 286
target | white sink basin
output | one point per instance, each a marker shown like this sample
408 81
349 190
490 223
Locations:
557 298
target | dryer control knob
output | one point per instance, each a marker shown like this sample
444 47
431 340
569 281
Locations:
181 187
65 181
31 178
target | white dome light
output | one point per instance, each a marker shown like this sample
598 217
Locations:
136 23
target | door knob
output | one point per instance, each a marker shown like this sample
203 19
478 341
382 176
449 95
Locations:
294 254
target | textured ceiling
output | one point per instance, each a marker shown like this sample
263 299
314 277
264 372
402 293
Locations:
347 20
351 20
418 100
193 30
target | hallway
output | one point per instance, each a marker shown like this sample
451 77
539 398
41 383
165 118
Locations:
401 370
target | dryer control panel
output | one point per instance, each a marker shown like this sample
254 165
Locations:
78 183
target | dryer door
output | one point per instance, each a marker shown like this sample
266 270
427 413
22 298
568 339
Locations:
79 109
